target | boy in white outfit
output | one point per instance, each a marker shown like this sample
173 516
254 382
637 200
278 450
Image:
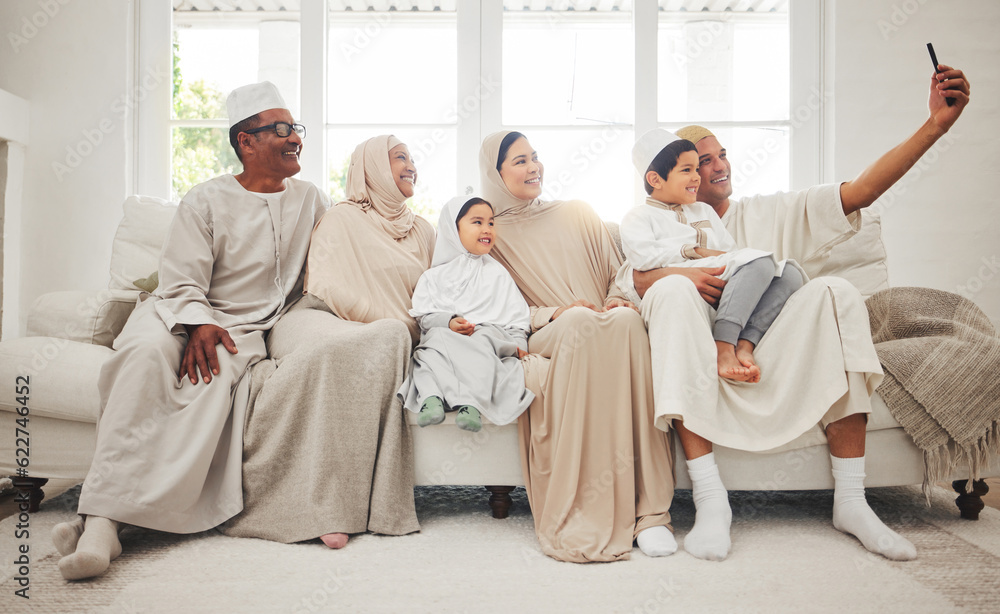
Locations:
673 229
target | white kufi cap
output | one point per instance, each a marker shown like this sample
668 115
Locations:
249 100
648 146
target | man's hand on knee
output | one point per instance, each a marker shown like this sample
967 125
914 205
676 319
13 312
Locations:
705 280
200 354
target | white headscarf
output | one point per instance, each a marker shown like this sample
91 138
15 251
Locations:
475 287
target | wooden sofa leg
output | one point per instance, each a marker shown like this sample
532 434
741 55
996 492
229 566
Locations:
970 503
32 489
500 500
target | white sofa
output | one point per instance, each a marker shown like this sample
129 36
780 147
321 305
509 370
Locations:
70 335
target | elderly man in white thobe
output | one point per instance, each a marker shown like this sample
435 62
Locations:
169 444
805 226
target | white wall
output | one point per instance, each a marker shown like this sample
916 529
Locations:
68 59
941 223
14 120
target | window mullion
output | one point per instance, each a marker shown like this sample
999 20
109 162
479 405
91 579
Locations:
152 99
315 28
471 95
491 41
645 30
807 93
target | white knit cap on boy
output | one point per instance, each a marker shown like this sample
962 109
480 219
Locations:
648 145
249 100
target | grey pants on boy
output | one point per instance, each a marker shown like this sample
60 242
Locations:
752 299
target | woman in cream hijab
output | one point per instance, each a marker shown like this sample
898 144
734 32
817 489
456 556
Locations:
365 257
598 474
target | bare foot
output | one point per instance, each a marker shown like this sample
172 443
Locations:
729 366
744 354
334 540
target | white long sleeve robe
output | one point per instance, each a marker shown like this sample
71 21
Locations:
817 360
656 236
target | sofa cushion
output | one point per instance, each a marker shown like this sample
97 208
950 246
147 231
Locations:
62 376
444 454
616 235
861 259
135 251
85 317
60 449
148 284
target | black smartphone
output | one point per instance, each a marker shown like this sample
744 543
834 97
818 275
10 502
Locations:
930 48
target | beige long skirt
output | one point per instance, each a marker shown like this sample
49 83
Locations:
326 448
596 469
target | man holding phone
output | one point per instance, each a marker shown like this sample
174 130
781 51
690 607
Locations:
806 226
716 181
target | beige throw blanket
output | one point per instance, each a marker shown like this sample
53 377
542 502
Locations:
941 357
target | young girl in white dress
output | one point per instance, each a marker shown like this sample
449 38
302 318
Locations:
672 229
474 327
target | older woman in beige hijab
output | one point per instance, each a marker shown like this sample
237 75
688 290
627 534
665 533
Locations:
335 456
598 474
368 251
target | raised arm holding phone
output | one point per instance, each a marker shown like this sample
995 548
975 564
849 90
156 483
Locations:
716 186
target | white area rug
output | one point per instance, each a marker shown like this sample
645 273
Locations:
787 557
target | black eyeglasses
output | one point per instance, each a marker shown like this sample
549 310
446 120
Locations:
282 129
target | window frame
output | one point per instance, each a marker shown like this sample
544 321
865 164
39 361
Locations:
479 28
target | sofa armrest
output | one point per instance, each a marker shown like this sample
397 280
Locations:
88 317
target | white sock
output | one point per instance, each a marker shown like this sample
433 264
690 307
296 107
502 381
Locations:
94 552
852 515
709 539
65 535
656 541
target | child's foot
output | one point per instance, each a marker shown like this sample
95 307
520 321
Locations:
431 412
468 419
744 354
729 366
335 540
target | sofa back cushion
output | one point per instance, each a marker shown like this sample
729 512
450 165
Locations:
861 259
135 252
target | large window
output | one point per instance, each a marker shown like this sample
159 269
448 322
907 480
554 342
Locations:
579 77
212 55
731 72
568 85
395 72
